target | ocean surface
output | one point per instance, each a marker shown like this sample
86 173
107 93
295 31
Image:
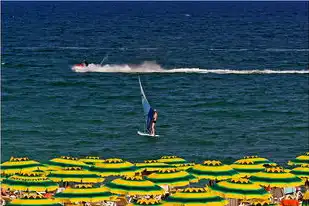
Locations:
228 79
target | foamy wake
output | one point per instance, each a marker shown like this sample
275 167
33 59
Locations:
150 67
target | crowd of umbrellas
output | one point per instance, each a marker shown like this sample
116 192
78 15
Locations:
169 180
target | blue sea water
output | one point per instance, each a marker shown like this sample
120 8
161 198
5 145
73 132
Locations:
232 80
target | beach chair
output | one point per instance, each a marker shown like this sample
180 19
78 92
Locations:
2 202
109 203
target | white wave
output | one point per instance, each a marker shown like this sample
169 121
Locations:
152 67
149 67
156 48
287 50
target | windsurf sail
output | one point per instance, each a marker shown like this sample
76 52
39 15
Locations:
148 110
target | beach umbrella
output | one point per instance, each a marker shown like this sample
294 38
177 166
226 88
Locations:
239 188
302 171
261 202
91 160
172 160
178 162
196 197
17 165
184 166
247 167
256 160
171 177
34 200
4 176
276 177
114 167
302 159
86 193
64 161
212 170
75 174
152 165
151 201
134 185
29 182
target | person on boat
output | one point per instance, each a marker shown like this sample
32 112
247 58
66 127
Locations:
85 63
153 122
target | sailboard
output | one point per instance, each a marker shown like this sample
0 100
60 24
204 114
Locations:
146 134
148 113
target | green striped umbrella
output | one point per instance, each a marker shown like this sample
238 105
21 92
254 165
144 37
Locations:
276 177
259 202
302 171
4 176
86 193
302 159
196 197
247 167
171 177
240 189
152 165
75 174
256 160
17 165
184 166
134 185
152 202
212 170
171 160
64 161
91 160
34 200
29 182
114 167
178 162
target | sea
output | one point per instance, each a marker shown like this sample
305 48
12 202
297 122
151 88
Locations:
228 79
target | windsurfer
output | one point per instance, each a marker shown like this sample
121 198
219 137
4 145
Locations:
153 122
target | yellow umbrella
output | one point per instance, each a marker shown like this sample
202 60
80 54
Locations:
75 174
171 160
86 193
194 197
178 162
152 165
240 188
114 167
134 185
302 159
276 177
172 177
29 182
302 171
17 165
64 161
34 200
91 160
212 170
152 202
256 160
247 167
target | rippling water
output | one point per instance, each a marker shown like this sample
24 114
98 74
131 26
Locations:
228 79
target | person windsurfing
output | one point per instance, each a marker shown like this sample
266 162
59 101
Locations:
150 115
153 123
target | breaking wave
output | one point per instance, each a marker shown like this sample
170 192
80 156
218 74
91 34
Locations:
151 67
